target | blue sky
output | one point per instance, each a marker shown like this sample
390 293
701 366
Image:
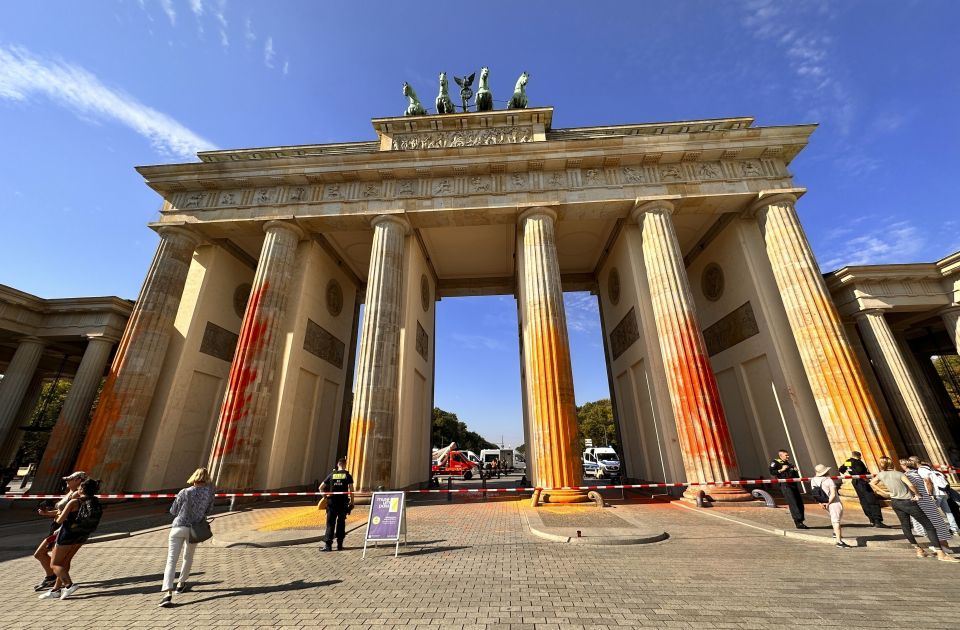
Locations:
88 90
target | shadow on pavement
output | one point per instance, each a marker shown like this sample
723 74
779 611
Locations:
296 585
134 590
429 550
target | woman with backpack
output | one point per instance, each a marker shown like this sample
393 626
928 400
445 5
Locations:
78 520
189 510
824 490
44 552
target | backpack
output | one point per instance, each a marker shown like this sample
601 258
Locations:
818 494
88 516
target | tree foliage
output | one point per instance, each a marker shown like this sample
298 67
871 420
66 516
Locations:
948 367
44 416
595 421
448 428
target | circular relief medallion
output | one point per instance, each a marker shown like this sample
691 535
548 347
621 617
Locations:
334 298
424 293
240 296
712 282
613 286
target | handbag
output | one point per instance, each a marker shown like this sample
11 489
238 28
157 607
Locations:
200 531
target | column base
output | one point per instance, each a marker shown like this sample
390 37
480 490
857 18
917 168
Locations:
719 494
564 496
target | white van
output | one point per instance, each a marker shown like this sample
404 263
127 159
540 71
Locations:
503 455
519 463
601 462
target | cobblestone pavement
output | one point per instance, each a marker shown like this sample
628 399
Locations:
473 565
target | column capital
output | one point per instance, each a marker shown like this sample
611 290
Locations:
876 310
398 220
102 337
537 211
768 199
179 232
32 339
290 226
662 206
950 309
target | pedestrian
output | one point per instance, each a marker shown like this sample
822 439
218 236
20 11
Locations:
903 499
829 500
953 497
338 505
926 502
44 552
936 485
783 468
78 520
869 501
191 506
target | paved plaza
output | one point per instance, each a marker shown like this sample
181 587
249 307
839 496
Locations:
474 564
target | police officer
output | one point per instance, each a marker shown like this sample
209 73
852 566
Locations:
338 505
868 499
783 468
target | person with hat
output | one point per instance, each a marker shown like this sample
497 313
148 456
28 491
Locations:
44 552
822 482
783 468
868 498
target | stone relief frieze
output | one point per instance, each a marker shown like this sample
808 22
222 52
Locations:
734 327
469 184
218 342
321 343
423 342
461 138
624 334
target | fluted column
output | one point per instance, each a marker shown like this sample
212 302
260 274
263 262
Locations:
546 356
15 435
236 447
16 381
918 420
114 432
705 442
64 440
848 411
951 319
374 416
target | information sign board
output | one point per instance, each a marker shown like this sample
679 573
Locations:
387 519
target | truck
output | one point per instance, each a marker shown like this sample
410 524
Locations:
503 455
601 462
450 461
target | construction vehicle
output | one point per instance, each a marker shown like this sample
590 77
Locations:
450 461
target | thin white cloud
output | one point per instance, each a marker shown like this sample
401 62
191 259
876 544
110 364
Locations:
167 6
476 342
220 14
873 240
248 33
268 52
23 75
583 313
197 7
286 67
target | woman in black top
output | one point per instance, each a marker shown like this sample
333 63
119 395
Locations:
77 520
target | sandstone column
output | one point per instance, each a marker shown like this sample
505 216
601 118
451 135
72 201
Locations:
374 417
64 440
917 419
236 447
705 442
546 357
847 409
114 432
16 381
15 436
951 319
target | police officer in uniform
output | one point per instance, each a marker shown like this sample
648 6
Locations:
338 505
783 468
868 499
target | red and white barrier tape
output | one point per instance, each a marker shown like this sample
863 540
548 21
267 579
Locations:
627 486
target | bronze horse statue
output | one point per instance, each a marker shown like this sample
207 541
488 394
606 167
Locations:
414 108
484 101
519 98
444 104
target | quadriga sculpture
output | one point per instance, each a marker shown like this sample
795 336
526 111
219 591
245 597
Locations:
414 108
484 100
444 104
519 98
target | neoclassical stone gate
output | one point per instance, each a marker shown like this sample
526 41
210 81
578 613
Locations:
722 341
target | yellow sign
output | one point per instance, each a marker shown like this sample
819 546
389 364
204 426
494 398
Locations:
394 504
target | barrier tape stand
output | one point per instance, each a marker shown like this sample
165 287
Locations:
450 491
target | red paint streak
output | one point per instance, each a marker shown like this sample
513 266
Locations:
105 418
236 405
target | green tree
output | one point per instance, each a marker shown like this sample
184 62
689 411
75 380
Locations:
948 367
595 421
448 428
41 421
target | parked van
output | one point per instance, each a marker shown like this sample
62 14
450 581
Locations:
519 463
601 462
503 455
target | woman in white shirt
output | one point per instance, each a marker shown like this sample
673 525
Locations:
833 504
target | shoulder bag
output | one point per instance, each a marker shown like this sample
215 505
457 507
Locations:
200 531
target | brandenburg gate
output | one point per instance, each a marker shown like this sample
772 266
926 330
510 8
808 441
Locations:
722 341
